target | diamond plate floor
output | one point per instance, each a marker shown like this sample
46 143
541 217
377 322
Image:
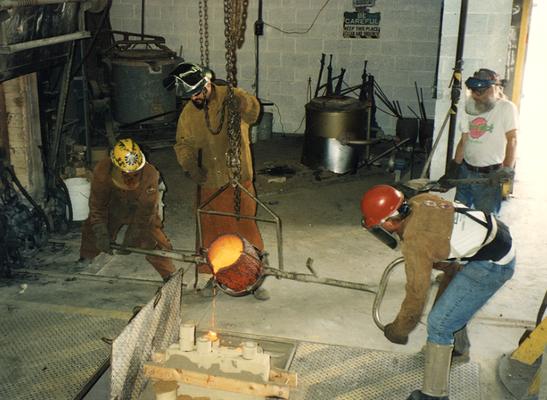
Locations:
50 355
347 373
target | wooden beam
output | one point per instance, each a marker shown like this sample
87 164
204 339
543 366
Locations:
282 377
156 371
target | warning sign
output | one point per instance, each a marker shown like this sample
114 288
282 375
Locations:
362 25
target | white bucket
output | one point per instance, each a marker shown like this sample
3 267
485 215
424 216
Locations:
78 191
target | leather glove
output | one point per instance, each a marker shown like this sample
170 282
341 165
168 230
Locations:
452 172
199 175
502 175
102 238
390 332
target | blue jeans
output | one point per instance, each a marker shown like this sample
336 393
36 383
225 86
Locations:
465 295
483 197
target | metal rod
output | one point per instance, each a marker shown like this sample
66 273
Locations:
32 44
275 219
318 86
24 3
437 140
143 8
295 276
382 290
61 108
456 83
393 148
197 259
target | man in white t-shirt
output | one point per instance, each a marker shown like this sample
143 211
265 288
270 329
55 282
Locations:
488 142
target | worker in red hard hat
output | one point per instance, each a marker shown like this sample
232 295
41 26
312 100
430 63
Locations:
475 250
125 191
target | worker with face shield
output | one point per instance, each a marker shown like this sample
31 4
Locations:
125 191
434 233
488 142
202 148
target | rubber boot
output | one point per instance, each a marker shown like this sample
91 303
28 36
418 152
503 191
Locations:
261 294
461 346
436 373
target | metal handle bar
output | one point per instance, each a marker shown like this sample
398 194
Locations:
382 290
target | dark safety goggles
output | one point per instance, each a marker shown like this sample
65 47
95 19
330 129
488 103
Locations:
390 239
479 86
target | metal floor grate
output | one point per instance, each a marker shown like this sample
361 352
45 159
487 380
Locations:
337 372
51 355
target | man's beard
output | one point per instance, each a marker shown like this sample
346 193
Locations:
486 105
198 103
474 107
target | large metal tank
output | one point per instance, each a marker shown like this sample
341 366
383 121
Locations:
136 76
330 123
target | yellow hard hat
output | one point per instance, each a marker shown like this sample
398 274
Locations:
127 156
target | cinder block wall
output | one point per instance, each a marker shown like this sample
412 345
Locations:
486 45
405 52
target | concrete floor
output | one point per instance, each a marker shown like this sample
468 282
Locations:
321 219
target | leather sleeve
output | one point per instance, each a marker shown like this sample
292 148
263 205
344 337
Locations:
185 146
146 214
249 106
100 195
426 241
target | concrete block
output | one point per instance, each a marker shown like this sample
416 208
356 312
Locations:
123 10
337 46
279 74
159 26
281 44
411 63
310 46
273 58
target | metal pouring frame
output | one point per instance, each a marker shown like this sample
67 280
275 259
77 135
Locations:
268 271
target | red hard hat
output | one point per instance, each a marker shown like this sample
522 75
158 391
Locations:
379 203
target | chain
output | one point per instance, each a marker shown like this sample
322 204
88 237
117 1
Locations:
204 32
221 118
235 16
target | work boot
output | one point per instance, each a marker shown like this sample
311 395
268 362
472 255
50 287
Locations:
436 373
461 346
84 262
261 294
418 395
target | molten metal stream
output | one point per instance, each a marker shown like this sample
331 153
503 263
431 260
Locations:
224 252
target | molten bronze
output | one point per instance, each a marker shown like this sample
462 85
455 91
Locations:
236 264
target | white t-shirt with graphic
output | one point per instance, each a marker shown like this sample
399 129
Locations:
486 140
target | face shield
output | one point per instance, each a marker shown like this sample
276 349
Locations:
185 90
390 239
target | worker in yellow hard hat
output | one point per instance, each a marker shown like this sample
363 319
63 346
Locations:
125 191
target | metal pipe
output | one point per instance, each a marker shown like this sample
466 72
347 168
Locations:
194 258
142 17
25 3
382 290
4 133
296 276
456 82
14 48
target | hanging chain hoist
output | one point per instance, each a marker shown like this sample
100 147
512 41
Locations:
204 33
235 16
